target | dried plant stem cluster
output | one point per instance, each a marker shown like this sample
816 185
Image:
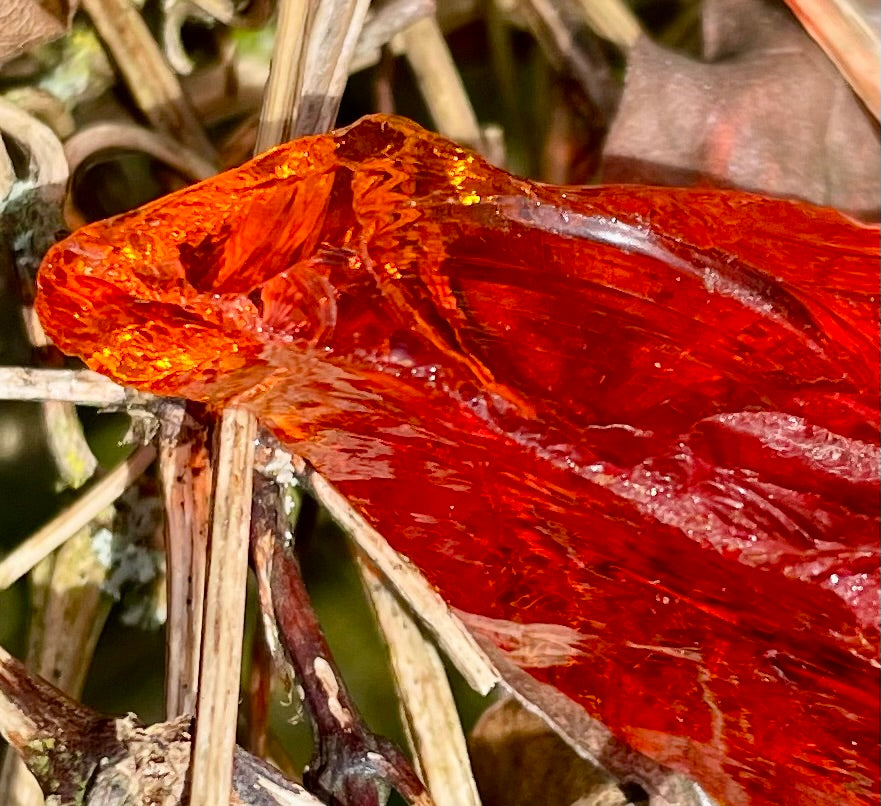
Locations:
218 475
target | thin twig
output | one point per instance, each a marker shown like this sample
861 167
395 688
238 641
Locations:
81 387
333 35
555 27
385 21
612 20
70 450
427 706
285 74
382 24
221 659
439 81
153 84
53 534
92 140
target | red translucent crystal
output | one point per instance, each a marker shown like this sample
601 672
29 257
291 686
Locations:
650 415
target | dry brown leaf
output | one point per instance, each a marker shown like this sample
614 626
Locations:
518 761
26 23
847 30
766 111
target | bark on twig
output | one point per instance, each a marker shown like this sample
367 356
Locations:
82 758
351 766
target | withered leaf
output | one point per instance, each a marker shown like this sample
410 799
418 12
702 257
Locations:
518 760
765 111
26 23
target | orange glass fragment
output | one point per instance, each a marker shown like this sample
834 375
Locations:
649 415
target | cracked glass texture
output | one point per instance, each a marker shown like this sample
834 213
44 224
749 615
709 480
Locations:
649 415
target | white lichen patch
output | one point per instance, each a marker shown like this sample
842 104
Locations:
331 686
